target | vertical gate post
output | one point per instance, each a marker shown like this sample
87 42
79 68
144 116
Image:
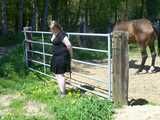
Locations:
28 45
120 63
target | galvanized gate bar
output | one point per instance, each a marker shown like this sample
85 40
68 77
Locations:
72 33
43 43
109 66
74 47
44 58
78 61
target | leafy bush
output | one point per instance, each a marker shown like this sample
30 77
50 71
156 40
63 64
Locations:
85 108
11 39
86 55
13 63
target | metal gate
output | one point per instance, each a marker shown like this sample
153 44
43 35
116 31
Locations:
38 54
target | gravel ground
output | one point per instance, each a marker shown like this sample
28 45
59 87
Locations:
144 86
146 112
143 90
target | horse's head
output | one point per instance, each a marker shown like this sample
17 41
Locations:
156 25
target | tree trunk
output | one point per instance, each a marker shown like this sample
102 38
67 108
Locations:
115 15
34 14
4 17
21 10
152 8
142 7
83 23
16 17
86 15
44 18
126 10
83 30
55 5
66 15
76 20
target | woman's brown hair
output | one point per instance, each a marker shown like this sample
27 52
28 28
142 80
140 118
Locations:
53 24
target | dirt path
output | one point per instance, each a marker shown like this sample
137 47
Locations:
143 89
143 86
146 112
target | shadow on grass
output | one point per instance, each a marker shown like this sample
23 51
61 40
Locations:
82 91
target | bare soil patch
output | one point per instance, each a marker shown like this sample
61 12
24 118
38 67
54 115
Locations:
142 86
33 108
146 112
5 101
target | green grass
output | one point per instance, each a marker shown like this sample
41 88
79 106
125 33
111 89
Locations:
16 79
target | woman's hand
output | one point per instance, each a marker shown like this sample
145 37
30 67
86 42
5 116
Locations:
53 37
68 45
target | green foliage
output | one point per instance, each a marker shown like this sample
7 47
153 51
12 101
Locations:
97 14
86 108
86 55
13 63
11 39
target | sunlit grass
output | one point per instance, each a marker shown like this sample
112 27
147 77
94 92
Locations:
16 79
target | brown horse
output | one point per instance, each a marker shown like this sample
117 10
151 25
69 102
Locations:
142 32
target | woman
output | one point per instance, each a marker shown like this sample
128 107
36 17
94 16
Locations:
62 52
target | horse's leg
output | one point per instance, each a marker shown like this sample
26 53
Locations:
153 54
144 58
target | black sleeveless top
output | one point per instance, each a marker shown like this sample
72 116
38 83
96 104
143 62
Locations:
58 46
61 60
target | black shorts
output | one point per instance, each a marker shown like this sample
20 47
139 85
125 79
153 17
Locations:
60 64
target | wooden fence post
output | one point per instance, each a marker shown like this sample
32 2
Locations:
120 61
28 45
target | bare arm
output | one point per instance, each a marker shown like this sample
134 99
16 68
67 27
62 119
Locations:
68 45
53 37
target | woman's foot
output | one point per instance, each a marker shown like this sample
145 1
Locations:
62 94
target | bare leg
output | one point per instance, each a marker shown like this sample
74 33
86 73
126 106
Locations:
61 82
144 58
153 54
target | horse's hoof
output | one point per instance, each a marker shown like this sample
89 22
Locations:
152 69
144 71
140 72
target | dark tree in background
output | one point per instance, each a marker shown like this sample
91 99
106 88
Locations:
98 15
34 14
54 9
152 7
21 10
44 18
4 16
